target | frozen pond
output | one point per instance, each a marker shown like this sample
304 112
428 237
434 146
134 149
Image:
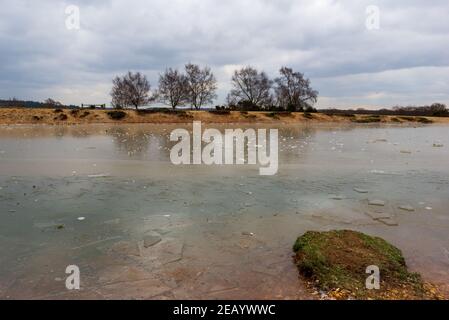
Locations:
107 199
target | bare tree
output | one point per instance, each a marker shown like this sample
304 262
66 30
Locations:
293 91
133 89
438 109
173 88
252 87
52 103
201 85
119 93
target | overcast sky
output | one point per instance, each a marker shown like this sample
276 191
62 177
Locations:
405 61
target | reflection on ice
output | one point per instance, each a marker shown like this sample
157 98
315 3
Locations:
107 199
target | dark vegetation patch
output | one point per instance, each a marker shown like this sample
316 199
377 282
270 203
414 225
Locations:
310 110
283 113
406 118
424 120
416 119
308 115
143 112
84 114
185 116
61 117
367 119
336 262
344 115
249 116
59 110
37 118
179 113
220 112
273 115
347 115
116 114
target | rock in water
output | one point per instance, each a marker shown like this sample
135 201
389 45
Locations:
407 208
126 248
101 175
379 203
337 197
378 215
359 190
150 241
389 222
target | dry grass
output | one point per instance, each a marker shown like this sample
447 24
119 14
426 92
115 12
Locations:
86 116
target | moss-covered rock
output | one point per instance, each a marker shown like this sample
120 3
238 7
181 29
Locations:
336 262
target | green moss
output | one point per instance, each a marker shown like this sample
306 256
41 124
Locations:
368 119
338 260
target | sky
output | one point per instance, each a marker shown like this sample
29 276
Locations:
356 53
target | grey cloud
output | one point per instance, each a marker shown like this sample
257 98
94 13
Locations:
326 39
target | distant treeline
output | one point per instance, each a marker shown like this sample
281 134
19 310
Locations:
434 110
49 103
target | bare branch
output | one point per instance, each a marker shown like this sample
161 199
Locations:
131 90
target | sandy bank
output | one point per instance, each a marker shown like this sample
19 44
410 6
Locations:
86 116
